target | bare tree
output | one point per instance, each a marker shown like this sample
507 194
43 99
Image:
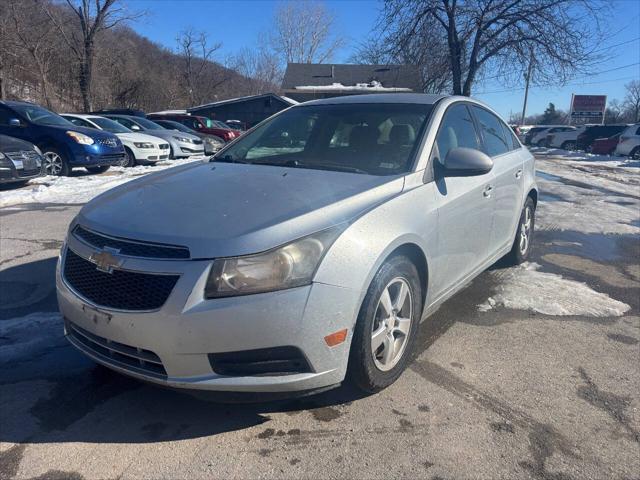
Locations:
303 32
498 36
632 99
94 18
197 54
261 67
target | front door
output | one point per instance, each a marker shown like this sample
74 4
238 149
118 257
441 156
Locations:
465 205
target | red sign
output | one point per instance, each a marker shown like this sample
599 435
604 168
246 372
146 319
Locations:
588 105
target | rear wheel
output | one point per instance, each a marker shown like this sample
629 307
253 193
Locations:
635 153
387 326
54 162
524 235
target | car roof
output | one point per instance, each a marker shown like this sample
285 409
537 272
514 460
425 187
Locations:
419 98
11 103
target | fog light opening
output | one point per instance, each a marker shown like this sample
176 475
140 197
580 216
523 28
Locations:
336 338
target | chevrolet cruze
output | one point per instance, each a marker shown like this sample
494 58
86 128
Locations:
304 253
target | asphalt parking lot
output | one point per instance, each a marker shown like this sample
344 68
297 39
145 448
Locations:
497 389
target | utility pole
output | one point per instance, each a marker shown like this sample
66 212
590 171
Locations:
526 88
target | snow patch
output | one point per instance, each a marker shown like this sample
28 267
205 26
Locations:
526 288
374 86
80 189
20 337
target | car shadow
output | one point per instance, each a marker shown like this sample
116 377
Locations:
51 393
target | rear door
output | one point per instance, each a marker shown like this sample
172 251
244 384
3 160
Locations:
465 205
508 167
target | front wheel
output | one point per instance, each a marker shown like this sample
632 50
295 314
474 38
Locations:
54 162
387 326
635 154
569 145
524 235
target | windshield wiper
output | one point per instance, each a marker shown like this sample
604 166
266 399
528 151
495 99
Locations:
336 167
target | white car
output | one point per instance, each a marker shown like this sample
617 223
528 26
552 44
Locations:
567 139
630 142
141 149
540 138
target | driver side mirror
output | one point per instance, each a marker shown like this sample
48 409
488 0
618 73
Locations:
14 122
467 162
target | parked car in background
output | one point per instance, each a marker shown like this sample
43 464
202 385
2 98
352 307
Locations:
120 111
540 137
591 133
141 149
199 124
63 144
630 142
20 161
212 143
236 125
605 146
181 145
567 140
251 276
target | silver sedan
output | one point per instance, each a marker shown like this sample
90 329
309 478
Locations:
306 253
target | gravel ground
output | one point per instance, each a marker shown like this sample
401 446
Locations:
494 392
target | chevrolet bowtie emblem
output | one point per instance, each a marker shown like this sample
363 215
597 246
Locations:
105 260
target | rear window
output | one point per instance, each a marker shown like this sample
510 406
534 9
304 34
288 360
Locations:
378 139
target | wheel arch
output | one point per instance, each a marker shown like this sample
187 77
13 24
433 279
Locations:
418 258
533 195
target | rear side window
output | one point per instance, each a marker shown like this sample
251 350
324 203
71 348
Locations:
492 132
456 130
512 139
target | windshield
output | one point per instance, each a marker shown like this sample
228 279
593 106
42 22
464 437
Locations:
219 124
377 139
148 124
41 116
109 125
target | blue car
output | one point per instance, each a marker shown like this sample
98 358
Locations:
63 144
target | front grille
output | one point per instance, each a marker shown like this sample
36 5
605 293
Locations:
121 289
130 248
132 358
273 361
108 142
164 146
197 142
29 159
115 157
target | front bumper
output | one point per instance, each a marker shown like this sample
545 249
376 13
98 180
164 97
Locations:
10 174
188 328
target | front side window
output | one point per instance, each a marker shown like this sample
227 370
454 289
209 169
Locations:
495 142
456 130
377 139
79 122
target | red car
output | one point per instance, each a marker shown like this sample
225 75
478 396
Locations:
199 124
605 146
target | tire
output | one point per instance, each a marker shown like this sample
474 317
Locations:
55 162
100 169
635 153
568 145
373 370
130 159
521 248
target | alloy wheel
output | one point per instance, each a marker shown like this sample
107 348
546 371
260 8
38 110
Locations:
525 231
52 164
392 324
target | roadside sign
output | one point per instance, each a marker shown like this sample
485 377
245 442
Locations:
588 108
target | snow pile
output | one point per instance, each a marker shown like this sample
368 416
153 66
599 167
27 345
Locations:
79 188
19 337
374 86
526 288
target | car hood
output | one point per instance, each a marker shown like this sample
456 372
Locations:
10 144
168 134
138 137
222 209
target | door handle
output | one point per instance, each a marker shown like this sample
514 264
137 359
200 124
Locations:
519 173
487 191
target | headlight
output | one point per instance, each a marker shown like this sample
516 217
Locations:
289 266
184 139
143 144
81 138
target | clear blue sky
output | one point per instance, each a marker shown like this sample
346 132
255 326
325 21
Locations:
237 24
